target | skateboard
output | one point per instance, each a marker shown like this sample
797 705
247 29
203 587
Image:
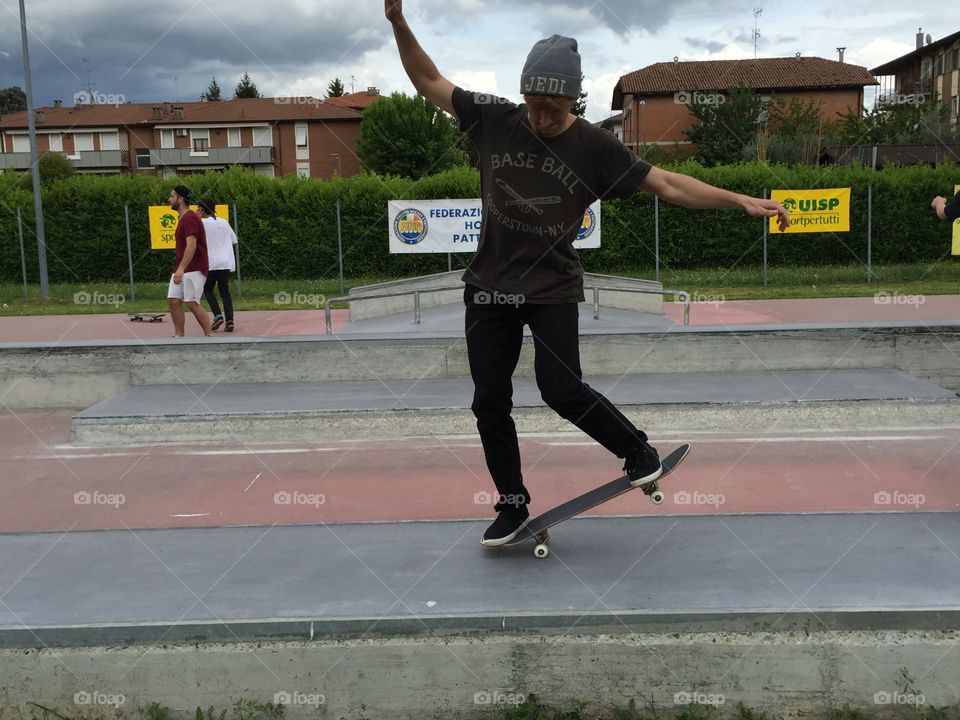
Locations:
145 316
538 527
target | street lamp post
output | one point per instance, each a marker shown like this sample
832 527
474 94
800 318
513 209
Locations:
339 230
34 165
643 124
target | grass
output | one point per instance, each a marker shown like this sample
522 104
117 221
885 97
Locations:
940 278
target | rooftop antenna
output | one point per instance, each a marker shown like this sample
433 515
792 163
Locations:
91 98
757 12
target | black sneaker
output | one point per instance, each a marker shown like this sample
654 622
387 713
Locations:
506 526
217 322
643 465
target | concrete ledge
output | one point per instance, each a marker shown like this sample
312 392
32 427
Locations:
790 673
80 374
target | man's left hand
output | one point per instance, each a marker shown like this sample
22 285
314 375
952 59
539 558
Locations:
757 207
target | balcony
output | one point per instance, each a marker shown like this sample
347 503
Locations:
88 160
214 156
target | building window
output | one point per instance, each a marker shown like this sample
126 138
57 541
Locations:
939 68
955 110
201 140
303 170
21 143
143 158
166 138
301 135
109 141
56 142
262 136
955 59
233 137
83 142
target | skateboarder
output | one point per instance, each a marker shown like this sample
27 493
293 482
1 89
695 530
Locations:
540 167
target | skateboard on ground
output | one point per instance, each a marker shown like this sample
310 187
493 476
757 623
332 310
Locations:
538 527
145 316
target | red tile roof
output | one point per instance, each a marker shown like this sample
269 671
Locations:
357 100
762 74
142 114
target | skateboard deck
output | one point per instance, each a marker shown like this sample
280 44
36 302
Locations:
145 316
537 528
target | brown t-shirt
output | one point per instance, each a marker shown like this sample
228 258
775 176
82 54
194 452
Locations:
191 224
534 192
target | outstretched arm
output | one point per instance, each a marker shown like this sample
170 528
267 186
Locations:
689 192
419 67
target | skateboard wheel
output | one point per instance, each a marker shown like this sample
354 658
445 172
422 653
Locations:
656 497
541 551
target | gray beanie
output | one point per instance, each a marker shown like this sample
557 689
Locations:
552 68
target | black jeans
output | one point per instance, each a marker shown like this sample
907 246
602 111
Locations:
494 330
220 278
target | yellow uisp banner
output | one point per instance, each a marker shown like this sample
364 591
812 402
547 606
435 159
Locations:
163 224
956 229
814 211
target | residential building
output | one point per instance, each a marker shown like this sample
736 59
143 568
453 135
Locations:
272 136
655 99
358 101
931 70
614 124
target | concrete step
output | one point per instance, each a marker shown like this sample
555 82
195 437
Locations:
304 412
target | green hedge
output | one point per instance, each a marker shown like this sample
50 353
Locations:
288 226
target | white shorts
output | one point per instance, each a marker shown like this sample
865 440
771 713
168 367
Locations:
190 290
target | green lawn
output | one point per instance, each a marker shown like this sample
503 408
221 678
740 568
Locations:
739 284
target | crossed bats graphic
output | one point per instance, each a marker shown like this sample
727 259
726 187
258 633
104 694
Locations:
526 204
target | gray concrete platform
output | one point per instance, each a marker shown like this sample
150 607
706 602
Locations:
299 412
756 572
652 389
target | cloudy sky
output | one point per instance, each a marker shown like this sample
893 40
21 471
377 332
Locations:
169 50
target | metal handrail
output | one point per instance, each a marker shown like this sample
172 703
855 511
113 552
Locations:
683 295
328 311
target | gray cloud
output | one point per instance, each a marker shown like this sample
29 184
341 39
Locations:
138 52
708 45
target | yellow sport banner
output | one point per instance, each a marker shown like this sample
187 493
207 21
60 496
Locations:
956 229
814 211
163 224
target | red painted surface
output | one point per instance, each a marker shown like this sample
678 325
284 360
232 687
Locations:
437 479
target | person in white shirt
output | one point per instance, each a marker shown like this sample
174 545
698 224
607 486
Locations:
220 242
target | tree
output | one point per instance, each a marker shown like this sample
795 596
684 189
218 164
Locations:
246 88
580 106
335 88
12 99
407 136
900 123
54 166
213 91
795 132
726 123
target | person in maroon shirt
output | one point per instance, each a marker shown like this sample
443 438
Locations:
190 272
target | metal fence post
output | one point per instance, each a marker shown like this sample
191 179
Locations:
126 217
237 233
23 257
